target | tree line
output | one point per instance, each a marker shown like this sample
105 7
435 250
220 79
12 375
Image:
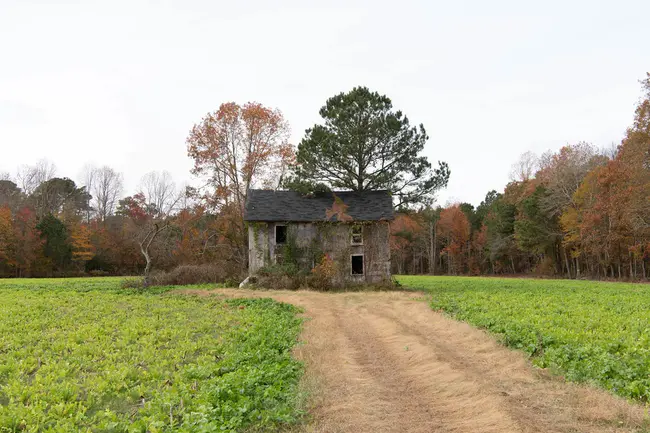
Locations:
575 213
52 226
578 212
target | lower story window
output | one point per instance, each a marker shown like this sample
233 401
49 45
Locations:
280 234
357 264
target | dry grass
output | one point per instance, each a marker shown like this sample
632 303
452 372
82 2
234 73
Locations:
384 362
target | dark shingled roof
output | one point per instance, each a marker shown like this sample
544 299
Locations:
265 205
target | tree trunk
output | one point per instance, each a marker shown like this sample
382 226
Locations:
566 262
147 268
435 249
432 249
145 244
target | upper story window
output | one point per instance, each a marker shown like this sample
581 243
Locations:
280 234
357 235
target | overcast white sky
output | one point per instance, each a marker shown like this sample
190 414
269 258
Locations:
122 82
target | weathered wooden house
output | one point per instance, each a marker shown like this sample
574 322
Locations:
350 228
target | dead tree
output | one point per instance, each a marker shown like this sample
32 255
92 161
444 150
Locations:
150 234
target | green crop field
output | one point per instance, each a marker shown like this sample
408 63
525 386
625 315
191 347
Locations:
81 355
587 331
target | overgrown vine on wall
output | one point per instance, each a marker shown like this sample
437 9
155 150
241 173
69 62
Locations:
263 253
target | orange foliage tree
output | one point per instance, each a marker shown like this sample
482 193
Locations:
7 242
405 230
455 228
234 149
28 241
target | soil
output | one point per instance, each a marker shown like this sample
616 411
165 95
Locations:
385 362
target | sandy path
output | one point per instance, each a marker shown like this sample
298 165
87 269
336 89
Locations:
385 362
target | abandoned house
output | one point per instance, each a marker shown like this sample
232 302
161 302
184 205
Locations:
350 228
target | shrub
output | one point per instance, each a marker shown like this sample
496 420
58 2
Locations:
289 269
280 277
323 275
67 274
186 275
281 282
284 276
132 283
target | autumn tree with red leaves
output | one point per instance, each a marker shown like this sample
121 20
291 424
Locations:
148 223
7 241
29 245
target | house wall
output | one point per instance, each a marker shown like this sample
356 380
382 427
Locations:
258 241
314 239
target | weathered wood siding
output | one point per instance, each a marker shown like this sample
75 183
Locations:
332 239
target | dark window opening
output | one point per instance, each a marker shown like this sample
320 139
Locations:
357 235
357 265
280 234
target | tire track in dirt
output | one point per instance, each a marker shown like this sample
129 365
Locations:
534 399
420 374
403 406
385 362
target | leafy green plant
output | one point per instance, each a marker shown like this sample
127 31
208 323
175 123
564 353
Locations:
85 355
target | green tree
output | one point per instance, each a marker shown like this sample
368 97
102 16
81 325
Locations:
536 231
473 217
500 222
56 247
10 195
363 144
483 209
61 197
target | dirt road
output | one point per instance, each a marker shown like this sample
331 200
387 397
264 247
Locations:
385 362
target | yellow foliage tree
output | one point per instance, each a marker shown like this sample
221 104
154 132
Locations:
82 248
